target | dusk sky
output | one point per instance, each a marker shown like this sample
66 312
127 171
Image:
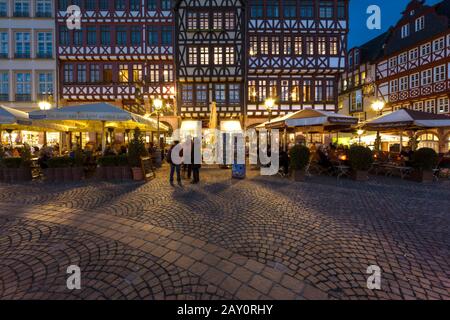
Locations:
390 13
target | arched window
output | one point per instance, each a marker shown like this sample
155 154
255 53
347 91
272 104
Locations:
429 140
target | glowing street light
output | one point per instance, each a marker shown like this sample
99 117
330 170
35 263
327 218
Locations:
378 106
360 132
158 105
44 105
269 104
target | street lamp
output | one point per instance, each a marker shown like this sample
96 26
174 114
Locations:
43 106
157 106
378 107
360 132
269 104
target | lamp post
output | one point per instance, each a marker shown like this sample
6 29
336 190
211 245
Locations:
269 104
360 132
43 106
378 107
158 106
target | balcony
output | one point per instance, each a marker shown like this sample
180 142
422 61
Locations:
43 14
23 97
26 55
44 55
21 14
4 97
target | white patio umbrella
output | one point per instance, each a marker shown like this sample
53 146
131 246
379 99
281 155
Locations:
96 117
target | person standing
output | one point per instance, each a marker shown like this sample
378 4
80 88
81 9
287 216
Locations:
173 167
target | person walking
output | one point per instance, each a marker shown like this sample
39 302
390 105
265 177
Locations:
173 167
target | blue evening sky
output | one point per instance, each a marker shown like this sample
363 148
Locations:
390 14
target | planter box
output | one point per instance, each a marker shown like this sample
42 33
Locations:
100 173
2 178
67 174
14 175
138 175
422 176
109 173
298 175
50 174
59 174
117 173
126 173
77 173
360 175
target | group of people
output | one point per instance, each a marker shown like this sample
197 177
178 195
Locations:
192 169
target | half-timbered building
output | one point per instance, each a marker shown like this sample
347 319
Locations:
123 53
210 58
296 50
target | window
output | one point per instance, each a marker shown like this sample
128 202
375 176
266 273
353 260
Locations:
334 46
166 5
119 5
426 76
405 31
252 91
356 57
137 73
91 36
289 8
4 45
192 56
21 8
154 73
43 8
262 90
307 9
402 58
81 73
107 73
440 73
121 36
430 106
204 55
295 94
275 45
90 5
356 101
94 73
393 86
285 90
229 21
307 91
256 9
204 20
287 49
309 46
136 35
135 5
45 85
217 20
298 46
219 93
23 86
425 49
105 35
420 23
192 21
264 45
318 90
414 80
186 92
103 5
273 92
413 54
403 83
151 5
329 90
123 73
418 106
3 8
218 56
168 73
253 45
201 93
68 73
322 46
393 62
341 10
439 44
166 35
23 45
326 9
234 93
77 37
45 45
272 8
443 105
356 80
4 86
152 36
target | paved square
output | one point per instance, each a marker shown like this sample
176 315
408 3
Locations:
258 238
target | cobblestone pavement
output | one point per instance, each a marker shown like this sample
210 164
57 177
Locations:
258 238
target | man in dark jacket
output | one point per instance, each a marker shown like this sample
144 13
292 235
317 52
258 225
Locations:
173 167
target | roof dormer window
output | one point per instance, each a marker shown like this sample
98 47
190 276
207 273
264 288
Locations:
420 23
405 31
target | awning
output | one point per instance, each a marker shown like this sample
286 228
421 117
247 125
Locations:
327 119
13 119
407 119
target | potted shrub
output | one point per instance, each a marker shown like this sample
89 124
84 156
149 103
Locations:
106 167
361 159
136 150
62 168
299 159
424 161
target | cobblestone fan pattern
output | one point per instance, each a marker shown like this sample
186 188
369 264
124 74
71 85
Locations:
258 238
